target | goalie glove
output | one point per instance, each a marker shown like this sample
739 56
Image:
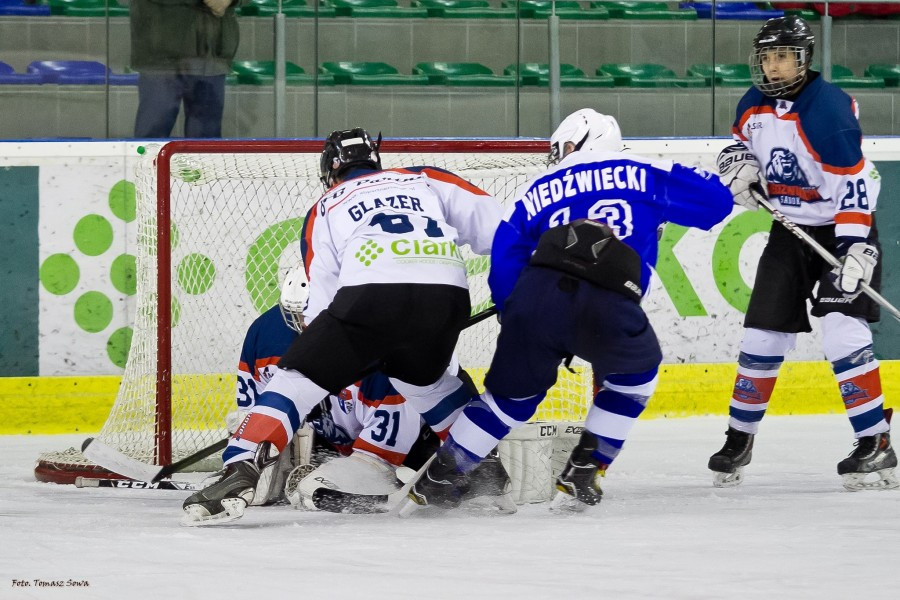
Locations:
739 171
217 7
856 268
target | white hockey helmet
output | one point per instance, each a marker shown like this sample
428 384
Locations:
588 130
294 292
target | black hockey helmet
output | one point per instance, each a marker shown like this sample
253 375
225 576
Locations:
345 149
790 35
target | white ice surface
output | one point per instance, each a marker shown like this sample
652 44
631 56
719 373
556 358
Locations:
662 531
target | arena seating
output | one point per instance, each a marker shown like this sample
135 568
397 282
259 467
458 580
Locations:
736 11
462 74
890 73
464 9
538 74
78 72
262 72
9 76
729 75
369 73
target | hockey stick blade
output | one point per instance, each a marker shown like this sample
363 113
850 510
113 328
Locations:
111 459
132 484
820 250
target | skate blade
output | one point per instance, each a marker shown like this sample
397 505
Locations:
856 482
564 503
727 480
197 516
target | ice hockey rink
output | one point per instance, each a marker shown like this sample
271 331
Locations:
662 531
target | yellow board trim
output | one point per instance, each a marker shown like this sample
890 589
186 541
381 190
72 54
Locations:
50 405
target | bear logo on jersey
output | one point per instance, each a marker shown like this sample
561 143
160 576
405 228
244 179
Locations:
784 168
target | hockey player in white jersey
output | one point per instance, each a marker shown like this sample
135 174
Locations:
388 293
569 266
798 141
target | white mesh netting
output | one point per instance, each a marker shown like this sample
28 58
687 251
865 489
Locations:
236 219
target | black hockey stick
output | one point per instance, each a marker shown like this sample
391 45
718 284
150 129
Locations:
111 459
479 317
133 484
821 251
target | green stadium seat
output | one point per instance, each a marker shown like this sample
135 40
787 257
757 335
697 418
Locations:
464 9
290 8
646 11
569 76
565 9
87 8
726 75
262 72
889 73
375 9
843 77
462 74
369 73
647 75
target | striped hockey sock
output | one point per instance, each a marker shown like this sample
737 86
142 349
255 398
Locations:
618 404
756 376
859 380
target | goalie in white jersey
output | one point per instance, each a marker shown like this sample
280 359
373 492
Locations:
388 293
799 141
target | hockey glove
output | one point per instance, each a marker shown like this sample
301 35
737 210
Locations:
856 268
217 7
739 171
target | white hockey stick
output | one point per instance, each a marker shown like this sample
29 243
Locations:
825 254
112 460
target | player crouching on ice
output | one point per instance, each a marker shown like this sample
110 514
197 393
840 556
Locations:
570 263
805 133
368 309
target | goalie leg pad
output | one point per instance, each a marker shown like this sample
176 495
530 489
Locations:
356 475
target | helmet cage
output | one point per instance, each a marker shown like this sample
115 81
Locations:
294 293
347 148
782 87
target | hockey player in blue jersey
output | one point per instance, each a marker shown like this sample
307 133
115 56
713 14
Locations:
570 263
798 140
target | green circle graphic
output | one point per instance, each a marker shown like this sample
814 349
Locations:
93 312
117 346
122 201
726 256
196 274
59 274
93 235
176 311
123 274
263 255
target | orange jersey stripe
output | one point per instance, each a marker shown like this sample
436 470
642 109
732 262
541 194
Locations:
395 458
263 428
455 180
310 253
262 363
853 218
391 400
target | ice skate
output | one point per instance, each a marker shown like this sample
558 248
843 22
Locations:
224 500
873 455
442 485
578 483
490 487
729 462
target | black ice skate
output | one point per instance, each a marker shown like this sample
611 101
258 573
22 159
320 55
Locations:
729 462
873 454
224 500
578 483
489 486
441 485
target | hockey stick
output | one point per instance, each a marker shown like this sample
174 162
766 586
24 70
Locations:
479 317
133 484
825 254
111 459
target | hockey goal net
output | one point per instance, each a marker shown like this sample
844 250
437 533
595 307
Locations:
218 226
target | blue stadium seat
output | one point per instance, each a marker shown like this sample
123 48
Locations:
78 72
738 11
8 75
18 8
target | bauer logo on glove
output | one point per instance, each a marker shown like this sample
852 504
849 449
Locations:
739 171
856 268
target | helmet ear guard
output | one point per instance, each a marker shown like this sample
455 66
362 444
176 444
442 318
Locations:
294 293
344 149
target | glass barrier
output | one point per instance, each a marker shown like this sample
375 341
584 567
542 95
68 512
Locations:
109 69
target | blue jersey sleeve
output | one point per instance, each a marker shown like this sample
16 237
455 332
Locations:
694 198
510 253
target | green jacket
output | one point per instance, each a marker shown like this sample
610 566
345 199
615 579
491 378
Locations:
182 36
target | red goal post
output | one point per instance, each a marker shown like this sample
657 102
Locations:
217 226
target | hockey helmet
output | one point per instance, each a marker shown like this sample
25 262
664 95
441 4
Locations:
294 293
587 130
347 148
791 36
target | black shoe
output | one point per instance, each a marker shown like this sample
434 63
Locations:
489 478
579 479
225 499
736 452
442 485
872 453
